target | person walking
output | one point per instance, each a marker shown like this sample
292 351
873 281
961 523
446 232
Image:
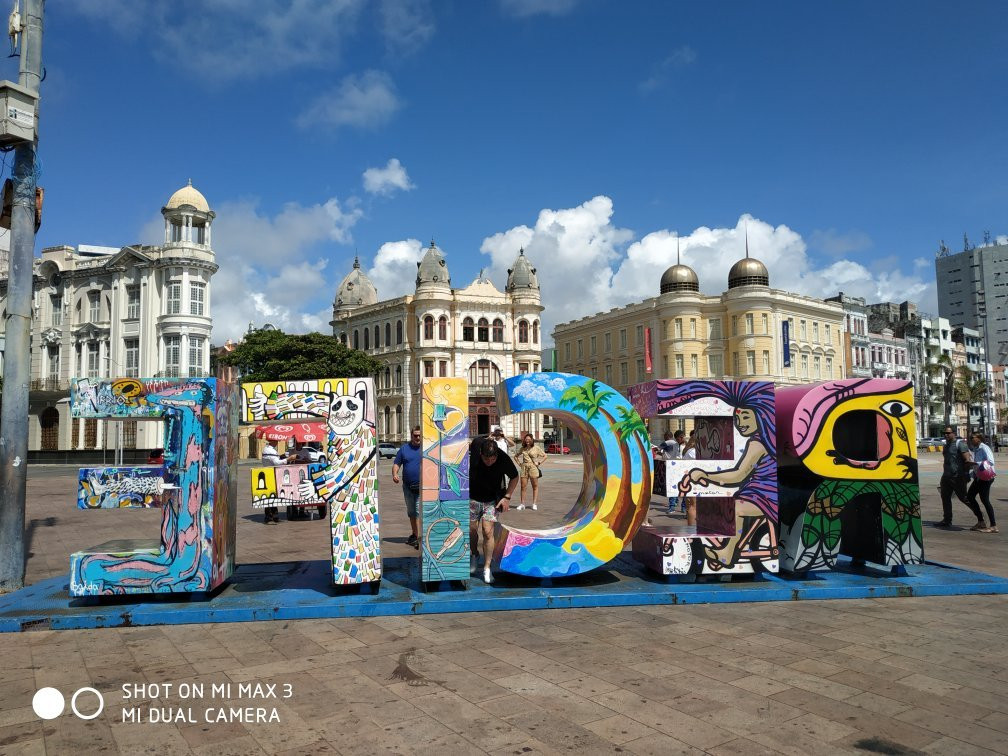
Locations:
673 450
983 473
530 458
270 456
487 469
955 472
689 502
407 460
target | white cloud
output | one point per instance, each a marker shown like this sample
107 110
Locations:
532 391
387 180
679 59
394 269
228 40
363 101
526 8
406 25
582 244
269 266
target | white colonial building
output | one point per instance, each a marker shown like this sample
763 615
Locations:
135 311
478 332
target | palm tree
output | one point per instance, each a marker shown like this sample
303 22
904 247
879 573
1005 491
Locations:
971 390
944 368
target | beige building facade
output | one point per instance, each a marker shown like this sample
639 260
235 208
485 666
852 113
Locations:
749 332
478 332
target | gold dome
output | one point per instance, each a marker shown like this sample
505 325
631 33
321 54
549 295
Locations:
188 195
748 272
679 278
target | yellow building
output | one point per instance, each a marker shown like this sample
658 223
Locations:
749 332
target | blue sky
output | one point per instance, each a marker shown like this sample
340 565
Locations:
848 137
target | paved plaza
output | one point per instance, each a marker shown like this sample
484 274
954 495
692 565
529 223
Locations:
896 676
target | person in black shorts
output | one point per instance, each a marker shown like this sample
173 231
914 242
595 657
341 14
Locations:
487 470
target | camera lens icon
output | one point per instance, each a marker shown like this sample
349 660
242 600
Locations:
49 703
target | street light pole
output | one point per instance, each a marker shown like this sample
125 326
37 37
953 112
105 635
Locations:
17 366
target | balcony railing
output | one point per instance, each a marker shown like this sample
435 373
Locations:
50 384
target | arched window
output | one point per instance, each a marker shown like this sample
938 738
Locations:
442 328
484 373
398 376
483 330
398 332
377 341
498 331
388 419
523 332
467 329
356 339
388 334
428 327
398 419
367 339
342 338
388 379
535 331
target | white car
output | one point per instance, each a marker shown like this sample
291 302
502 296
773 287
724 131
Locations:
387 450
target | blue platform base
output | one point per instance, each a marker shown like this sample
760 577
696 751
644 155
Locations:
301 590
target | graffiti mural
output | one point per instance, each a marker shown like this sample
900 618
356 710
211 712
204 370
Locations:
195 487
120 487
444 478
734 478
347 481
616 486
849 474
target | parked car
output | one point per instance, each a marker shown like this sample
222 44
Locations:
556 448
387 450
309 455
925 442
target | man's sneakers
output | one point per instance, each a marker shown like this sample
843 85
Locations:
487 577
943 524
412 541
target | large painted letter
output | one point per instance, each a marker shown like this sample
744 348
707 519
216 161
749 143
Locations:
849 474
196 487
444 504
347 481
734 478
614 496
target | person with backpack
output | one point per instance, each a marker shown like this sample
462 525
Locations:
955 474
983 477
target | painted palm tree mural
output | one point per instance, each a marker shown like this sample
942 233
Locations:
616 488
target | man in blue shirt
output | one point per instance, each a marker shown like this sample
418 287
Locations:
407 460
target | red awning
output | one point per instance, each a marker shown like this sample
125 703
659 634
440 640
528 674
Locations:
298 431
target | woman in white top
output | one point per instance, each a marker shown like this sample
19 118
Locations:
981 453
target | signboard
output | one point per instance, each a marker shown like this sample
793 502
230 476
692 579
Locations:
786 334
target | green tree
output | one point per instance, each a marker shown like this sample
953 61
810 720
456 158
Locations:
971 390
278 356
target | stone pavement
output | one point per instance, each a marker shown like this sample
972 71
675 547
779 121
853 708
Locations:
898 676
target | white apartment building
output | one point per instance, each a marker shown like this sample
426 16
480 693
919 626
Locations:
135 311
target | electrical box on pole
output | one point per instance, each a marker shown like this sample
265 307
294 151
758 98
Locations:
17 114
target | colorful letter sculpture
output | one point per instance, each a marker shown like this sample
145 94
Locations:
444 476
196 487
347 481
848 471
616 489
734 478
